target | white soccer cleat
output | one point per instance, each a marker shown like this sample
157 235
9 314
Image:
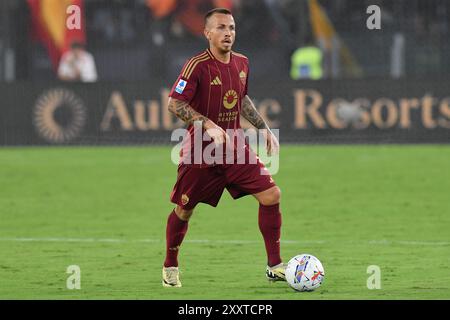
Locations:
276 273
171 277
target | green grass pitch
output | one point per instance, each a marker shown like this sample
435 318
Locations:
105 208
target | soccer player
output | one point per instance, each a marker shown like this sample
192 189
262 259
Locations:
212 90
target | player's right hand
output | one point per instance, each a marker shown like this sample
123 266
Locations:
216 133
272 144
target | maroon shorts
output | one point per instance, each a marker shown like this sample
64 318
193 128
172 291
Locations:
206 185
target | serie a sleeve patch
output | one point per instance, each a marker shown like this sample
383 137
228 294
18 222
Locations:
180 86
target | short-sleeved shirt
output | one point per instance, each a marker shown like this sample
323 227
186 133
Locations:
213 88
85 64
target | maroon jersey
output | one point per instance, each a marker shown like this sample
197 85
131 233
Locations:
214 89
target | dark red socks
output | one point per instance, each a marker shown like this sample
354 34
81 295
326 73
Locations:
175 232
269 220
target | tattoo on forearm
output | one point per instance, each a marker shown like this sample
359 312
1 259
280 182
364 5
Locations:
186 113
250 113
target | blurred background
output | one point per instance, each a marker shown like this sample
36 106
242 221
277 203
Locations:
359 91
133 51
151 39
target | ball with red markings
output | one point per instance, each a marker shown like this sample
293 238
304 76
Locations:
305 273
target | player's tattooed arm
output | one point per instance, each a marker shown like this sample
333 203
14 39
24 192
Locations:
250 113
185 112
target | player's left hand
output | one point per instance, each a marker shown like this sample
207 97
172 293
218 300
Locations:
272 144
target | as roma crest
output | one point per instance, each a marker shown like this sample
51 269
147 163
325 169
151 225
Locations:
184 199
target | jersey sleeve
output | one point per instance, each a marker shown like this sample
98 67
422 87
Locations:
246 79
246 82
185 87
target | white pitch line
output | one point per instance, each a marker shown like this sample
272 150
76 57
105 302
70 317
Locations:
419 243
230 242
235 242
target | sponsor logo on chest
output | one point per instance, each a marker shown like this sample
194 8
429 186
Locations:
230 99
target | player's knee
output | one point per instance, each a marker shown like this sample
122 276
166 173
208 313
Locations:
272 196
184 215
276 195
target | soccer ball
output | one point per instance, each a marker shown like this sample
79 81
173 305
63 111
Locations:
304 273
